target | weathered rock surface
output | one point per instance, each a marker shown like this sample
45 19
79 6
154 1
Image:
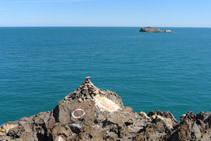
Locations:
90 113
151 29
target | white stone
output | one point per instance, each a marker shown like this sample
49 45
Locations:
105 104
144 115
7 127
59 138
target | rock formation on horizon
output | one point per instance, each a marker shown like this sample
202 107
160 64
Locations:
92 114
151 29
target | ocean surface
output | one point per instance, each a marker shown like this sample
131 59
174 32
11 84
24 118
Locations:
39 66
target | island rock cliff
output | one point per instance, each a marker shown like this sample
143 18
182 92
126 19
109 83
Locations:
90 113
156 30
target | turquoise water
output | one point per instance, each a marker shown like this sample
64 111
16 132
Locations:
150 71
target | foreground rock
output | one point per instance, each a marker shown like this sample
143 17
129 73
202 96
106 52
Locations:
151 29
90 113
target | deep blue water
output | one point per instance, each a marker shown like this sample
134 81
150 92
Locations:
150 71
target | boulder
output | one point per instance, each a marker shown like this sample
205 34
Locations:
193 127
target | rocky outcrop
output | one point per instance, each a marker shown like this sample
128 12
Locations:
193 127
151 29
90 113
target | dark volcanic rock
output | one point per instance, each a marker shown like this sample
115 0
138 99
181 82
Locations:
151 29
193 127
90 113
160 128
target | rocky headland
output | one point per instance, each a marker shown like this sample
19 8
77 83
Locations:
92 114
156 30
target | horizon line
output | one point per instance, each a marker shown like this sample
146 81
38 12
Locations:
117 26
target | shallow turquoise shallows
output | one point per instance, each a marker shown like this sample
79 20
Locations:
150 71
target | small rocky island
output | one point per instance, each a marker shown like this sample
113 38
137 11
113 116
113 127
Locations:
92 114
156 30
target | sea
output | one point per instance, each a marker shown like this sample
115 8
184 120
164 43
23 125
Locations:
39 66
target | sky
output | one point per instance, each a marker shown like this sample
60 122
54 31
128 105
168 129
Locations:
129 13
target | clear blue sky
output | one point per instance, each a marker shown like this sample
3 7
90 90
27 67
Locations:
173 13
